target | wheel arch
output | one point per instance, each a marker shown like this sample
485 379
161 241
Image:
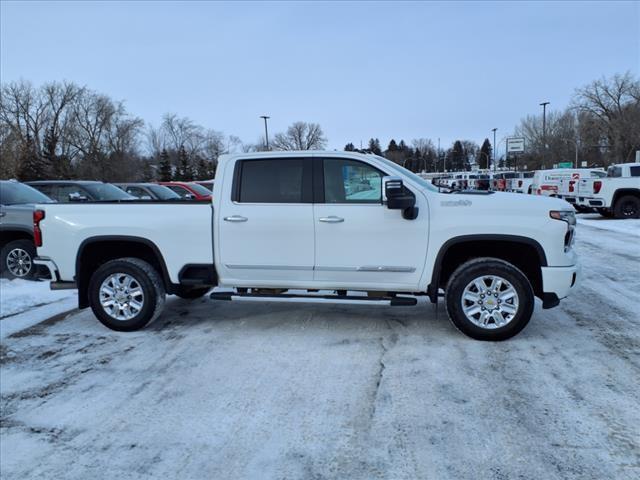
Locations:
10 234
523 252
95 251
634 192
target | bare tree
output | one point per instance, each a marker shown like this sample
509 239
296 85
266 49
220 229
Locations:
614 104
300 136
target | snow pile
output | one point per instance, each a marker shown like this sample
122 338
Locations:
629 226
24 303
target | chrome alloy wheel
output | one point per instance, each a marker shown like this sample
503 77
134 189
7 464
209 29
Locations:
490 302
121 296
19 262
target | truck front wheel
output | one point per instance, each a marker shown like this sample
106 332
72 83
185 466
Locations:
126 294
627 207
489 299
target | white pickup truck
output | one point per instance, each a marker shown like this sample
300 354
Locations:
616 195
332 227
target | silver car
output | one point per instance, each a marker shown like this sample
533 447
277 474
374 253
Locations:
17 249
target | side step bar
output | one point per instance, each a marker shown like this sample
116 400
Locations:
290 297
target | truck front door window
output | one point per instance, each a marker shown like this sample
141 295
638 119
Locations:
348 181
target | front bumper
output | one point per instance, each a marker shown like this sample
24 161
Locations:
558 283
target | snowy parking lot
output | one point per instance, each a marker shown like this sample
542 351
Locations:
293 391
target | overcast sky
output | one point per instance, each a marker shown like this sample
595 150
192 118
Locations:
361 70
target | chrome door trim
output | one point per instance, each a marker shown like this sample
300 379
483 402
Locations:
372 268
268 267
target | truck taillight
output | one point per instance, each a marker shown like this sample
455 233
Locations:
597 185
519 183
571 182
38 216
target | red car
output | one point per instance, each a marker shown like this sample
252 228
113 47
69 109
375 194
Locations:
189 190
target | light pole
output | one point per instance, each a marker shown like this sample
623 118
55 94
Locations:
495 147
544 131
266 131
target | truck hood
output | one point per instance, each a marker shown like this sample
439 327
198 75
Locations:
504 201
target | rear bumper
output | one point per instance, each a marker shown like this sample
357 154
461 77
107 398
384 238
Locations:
54 274
558 283
591 202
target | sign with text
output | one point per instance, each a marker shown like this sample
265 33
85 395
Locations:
515 145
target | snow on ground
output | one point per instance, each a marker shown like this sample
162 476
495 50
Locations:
269 391
630 226
24 303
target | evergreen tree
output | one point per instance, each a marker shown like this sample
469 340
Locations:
484 157
32 166
185 172
166 172
457 157
374 146
349 147
148 174
58 165
393 146
202 168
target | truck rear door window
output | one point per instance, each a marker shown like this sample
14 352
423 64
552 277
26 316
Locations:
273 181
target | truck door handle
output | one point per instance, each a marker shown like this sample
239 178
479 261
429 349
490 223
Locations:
235 218
331 219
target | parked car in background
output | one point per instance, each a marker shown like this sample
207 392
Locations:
149 191
483 182
189 190
520 182
208 184
616 195
65 191
547 182
17 248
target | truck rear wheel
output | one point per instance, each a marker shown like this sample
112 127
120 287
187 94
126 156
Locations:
489 299
627 207
126 294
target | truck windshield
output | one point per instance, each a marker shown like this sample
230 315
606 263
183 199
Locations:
403 171
14 193
163 193
106 192
199 189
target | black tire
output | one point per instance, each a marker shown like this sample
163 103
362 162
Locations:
627 207
479 267
192 293
145 276
605 212
19 250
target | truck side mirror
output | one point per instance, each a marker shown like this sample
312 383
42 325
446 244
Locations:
398 197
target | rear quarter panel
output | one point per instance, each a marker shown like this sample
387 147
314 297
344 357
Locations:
182 232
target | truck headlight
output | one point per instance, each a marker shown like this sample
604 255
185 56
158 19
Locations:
569 217
564 215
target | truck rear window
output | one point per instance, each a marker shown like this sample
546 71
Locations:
271 181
